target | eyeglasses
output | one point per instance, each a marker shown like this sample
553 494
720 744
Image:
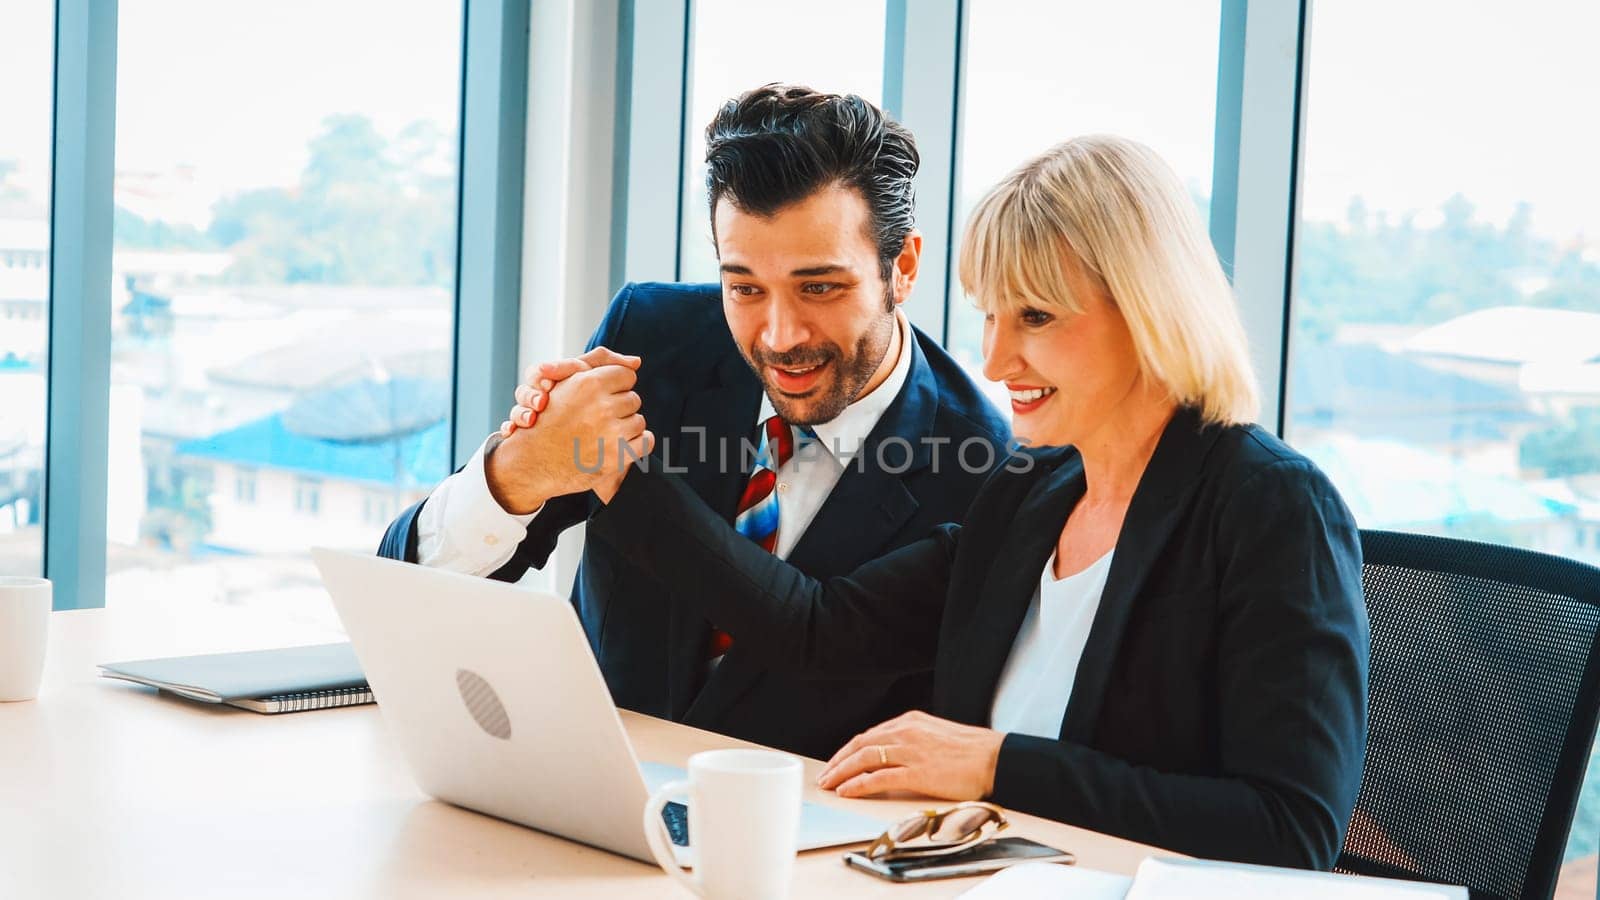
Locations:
947 830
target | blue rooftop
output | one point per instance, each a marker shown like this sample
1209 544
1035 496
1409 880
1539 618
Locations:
424 456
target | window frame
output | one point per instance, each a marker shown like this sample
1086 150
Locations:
308 496
245 480
78 375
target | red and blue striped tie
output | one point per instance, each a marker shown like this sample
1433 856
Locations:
757 518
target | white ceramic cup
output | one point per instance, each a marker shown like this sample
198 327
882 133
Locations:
744 820
24 618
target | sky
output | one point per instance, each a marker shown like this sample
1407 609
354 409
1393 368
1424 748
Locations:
1039 73
1411 101
236 88
837 46
1408 102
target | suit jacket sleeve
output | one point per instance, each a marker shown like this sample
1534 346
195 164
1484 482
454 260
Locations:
1291 667
883 618
559 513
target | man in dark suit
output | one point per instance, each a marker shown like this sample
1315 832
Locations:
797 400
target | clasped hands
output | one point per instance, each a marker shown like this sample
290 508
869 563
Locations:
589 431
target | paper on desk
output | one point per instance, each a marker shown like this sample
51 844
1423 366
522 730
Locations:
1051 880
1196 879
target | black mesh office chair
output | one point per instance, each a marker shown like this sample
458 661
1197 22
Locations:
1485 684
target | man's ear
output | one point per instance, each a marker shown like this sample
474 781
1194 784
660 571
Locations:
905 266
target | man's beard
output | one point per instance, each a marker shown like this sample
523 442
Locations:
848 375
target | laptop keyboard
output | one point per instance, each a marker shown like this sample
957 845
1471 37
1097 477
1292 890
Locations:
676 815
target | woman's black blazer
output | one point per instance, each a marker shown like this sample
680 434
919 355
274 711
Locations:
1220 705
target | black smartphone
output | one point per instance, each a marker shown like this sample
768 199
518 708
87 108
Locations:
986 857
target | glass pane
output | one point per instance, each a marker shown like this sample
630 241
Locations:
282 289
27 62
1445 354
1039 72
836 46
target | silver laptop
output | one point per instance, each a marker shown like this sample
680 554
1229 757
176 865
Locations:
498 705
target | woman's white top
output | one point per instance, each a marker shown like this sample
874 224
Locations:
1037 681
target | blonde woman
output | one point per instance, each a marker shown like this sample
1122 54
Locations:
1151 624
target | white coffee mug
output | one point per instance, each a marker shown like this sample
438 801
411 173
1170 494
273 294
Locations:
744 822
24 618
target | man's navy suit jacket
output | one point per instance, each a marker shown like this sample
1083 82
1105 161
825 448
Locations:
913 473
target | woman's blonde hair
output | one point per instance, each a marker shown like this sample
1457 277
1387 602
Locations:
1126 220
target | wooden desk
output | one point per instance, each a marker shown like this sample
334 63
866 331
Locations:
111 790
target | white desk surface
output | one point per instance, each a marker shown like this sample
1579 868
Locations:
112 790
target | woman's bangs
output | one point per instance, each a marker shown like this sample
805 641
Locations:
1011 257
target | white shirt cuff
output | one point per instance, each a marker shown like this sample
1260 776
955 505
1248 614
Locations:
463 529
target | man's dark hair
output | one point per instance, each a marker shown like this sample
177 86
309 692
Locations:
778 144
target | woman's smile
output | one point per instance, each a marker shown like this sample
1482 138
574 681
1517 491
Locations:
1026 399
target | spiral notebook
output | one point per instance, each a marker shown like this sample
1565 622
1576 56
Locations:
292 679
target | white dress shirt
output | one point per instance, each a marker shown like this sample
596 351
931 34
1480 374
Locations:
1039 674
463 529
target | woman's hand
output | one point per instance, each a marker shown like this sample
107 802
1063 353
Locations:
920 753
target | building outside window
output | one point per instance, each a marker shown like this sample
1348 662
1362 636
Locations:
283 282
377 509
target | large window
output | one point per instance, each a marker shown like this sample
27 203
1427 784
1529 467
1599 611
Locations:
1444 364
1039 72
27 32
283 271
836 46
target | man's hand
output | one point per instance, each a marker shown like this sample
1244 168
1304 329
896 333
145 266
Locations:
587 420
920 753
